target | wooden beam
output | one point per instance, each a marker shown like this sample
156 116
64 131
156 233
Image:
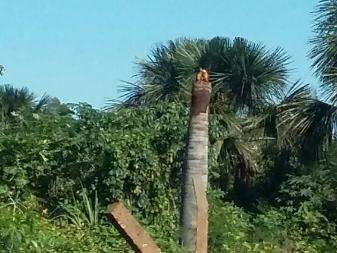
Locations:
132 231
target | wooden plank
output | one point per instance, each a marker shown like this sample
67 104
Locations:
202 216
132 231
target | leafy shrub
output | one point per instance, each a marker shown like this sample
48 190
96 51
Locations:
129 155
29 232
132 155
82 212
231 229
309 201
135 155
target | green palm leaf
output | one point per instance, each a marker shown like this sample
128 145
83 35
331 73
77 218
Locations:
244 75
324 51
12 99
308 123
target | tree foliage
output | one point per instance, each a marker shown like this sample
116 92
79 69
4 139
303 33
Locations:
244 74
272 164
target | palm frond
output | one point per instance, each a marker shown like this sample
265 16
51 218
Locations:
324 50
157 77
232 148
241 157
307 122
254 74
132 94
13 99
42 102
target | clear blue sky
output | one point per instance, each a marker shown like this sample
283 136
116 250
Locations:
79 50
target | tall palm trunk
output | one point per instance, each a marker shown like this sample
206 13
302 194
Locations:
196 168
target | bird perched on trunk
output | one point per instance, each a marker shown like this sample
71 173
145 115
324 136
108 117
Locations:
202 76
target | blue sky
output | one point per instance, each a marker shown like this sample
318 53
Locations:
79 50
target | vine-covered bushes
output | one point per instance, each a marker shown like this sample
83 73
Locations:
59 172
131 155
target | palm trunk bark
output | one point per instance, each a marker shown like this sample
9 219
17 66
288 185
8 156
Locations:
196 169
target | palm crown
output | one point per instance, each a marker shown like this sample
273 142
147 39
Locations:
244 75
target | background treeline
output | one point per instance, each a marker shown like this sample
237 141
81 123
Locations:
272 153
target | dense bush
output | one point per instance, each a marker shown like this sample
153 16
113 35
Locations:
73 165
23 228
132 155
271 230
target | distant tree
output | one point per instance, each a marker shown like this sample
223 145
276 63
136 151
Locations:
312 122
14 100
54 106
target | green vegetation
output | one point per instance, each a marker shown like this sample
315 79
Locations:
272 154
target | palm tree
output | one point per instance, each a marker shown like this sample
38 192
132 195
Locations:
13 100
312 122
245 78
194 209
